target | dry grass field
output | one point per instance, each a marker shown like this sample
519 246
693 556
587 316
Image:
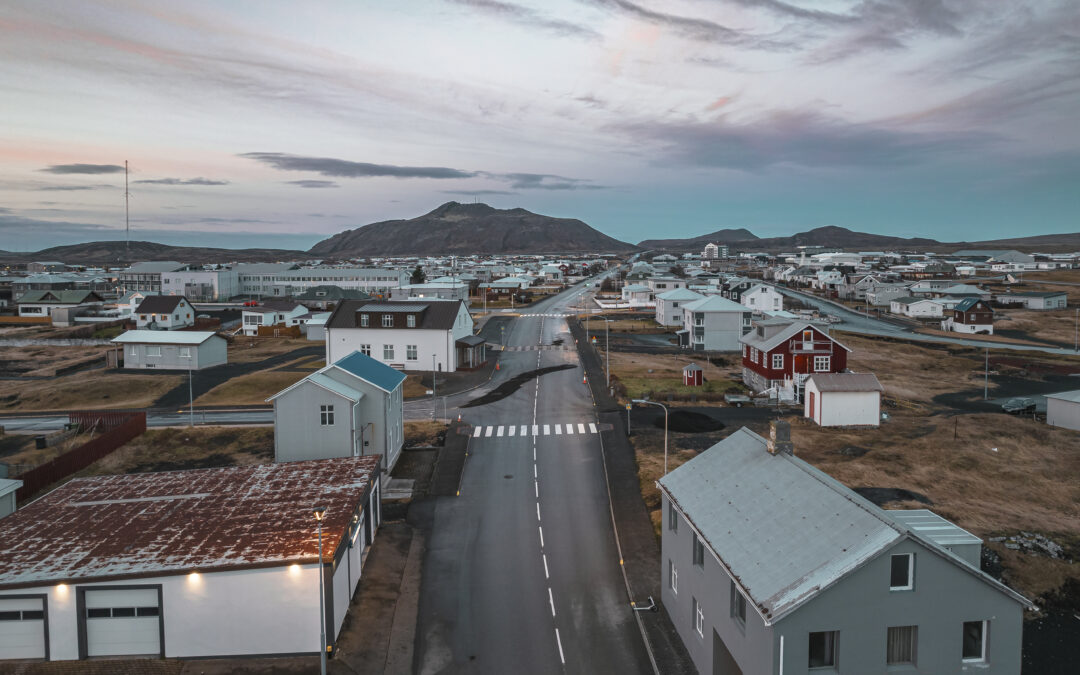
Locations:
248 349
43 361
92 390
662 373
1055 325
188 448
255 388
422 433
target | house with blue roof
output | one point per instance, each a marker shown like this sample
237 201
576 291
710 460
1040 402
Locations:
350 408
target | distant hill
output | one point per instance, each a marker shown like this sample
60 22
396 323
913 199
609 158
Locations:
468 229
840 237
115 252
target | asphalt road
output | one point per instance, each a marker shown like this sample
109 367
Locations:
522 572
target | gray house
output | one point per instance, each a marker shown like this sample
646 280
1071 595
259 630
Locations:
8 488
350 408
714 324
771 566
172 350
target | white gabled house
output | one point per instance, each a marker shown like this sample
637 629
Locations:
407 335
283 313
916 308
164 312
762 298
350 408
637 295
669 306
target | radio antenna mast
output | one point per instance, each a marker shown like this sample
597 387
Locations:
127 216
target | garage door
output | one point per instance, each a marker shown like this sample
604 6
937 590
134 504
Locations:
22 628
123 622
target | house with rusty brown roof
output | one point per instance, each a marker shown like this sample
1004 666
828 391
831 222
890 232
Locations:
188 564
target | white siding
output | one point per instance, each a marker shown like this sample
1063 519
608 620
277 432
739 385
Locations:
1065 414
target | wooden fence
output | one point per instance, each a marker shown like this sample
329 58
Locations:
120 427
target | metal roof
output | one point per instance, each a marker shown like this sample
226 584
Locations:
9 485
930 525
375 307
58 297
680 294
846 382
1071 396
715 303
159 304
330 384
165 337
368 369
778 338
174 522
432 314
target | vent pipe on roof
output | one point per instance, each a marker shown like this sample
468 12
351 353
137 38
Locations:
780 438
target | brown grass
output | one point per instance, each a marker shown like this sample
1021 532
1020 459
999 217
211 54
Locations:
1056 325
98 389
412 387
178 448
633 371
251 389
42 361
423 433
248 349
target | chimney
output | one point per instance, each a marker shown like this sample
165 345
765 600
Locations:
780 438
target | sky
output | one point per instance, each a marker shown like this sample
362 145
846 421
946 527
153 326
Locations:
276 124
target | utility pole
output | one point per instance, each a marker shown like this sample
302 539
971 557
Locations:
1076 331
191 399
433 399
127 216
607 351
986 375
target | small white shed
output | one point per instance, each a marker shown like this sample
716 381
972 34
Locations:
843 399
1063 410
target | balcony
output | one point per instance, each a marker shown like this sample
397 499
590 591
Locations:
810 347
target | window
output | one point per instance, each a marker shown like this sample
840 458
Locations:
365 350
699 619
902 572
777 361
410 352
363 320
975 640
185 352
326 415
410 321
821 364
823 649
699 551
388 352
387 320
738 605
673 518
134 350
154 350
673 577
901 645
807 335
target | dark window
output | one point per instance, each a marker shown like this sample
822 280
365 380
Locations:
699 551
10 616
974 649
738 604
148 611
98 613
673 518
900 576
823 649
32 614
123 612
901 645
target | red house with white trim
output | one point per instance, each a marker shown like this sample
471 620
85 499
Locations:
780 355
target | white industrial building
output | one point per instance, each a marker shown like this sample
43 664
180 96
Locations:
186 564
843 399
200 285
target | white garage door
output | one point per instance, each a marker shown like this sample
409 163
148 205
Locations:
22 628
123 622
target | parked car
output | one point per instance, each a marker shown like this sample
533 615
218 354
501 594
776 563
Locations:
1018 406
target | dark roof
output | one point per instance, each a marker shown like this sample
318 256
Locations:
967 303
159 304
331 293
274 306
471 340
368 369
845 382
433 314
175 522
58 297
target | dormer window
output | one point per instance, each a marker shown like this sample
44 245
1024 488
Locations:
363 320
410 321
387 320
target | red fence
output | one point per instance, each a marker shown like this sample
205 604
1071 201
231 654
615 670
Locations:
122 427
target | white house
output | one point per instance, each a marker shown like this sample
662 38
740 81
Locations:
164 312
272 313
1063 410
1035 300
660 285
411 335
669 306
762 298
916 307
714 323
438 289
44 303
187 564
637 295
351 408
172 350
843 399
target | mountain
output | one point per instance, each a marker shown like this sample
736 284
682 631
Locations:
114 252
468 229
840 237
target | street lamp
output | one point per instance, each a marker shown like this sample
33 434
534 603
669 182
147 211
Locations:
319 511
648 402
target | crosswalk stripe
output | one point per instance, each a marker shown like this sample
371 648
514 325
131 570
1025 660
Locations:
511 429
499 431
536 430
479 430
505 431
558 430
580 428
488 433
592 428
569 428
523 429
546 432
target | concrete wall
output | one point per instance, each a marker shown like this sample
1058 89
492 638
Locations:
298 430
213 352
862 608
1063 414
842 408
669 312
225 283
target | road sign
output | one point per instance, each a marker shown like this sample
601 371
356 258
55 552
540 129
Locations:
627 406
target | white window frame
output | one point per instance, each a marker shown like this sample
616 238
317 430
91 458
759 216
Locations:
388 352
983 635
134 350
326 415
364 321
778 361
410 352
410 321
835 665
673 577
910 572
387 320
822 364
153 351
185 352
699 619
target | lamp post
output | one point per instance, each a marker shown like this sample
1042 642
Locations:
648 402
607 351
433 399
319 511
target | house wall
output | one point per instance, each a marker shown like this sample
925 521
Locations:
763 298
1064 414
669 312
750 644
213 352
298 431
271 610
842 408
721 330
181 317
7 504
862 608
224 284
340 342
